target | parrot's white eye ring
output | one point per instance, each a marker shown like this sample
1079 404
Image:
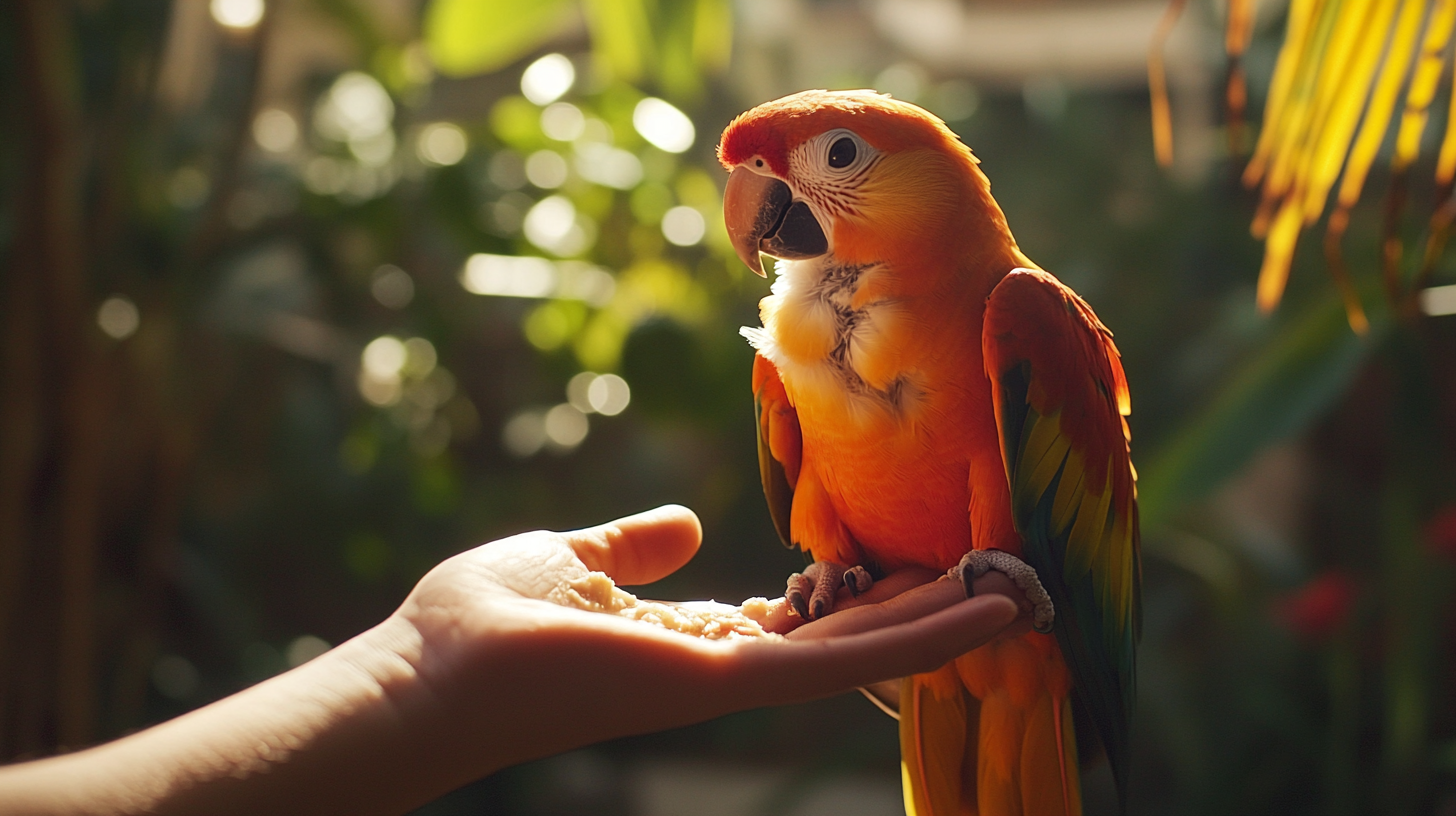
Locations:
841 153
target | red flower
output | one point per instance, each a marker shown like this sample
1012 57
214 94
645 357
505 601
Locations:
1317 609
1441 533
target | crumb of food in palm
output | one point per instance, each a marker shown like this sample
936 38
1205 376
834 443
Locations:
595 592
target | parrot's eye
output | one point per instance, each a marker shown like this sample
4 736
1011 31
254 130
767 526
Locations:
839 155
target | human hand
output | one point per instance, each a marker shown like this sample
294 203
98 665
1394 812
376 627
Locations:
475 672
513 676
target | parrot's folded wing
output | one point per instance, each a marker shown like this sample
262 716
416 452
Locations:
780 444
1061 400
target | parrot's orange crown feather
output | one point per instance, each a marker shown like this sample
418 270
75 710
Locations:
772 130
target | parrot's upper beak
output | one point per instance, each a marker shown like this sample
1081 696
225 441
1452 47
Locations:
762 216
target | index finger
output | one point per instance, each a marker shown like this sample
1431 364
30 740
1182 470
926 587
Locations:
769 673
903 607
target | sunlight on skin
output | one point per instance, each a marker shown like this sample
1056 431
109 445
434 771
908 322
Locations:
475 672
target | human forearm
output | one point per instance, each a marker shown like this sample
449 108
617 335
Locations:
340 734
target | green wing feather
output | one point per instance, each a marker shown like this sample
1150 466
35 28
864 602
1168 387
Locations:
1061 400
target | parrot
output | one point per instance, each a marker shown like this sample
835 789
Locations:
927 396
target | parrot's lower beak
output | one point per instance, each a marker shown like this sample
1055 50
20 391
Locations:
762 216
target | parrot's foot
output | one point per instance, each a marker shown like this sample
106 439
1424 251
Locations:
977 562
811 593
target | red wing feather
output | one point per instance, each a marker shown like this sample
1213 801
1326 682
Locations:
1061 402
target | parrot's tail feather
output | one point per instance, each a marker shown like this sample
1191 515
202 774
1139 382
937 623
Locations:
1062 754
1046 746
938 724
1005 755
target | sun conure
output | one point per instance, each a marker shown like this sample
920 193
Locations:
927 396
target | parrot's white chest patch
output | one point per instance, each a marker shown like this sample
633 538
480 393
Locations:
821 343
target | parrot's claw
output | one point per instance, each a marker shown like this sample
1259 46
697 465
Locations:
811 593
797 594
858 580
978 562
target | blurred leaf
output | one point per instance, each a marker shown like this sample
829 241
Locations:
549 326
1304 369
599 345
361 27
713 35
466 37
517 122
622 35
677 69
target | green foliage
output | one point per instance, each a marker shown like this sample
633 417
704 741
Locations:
255 482
1290 382
477 36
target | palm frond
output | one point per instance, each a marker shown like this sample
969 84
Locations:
1344 68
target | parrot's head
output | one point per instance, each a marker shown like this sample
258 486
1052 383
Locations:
855 173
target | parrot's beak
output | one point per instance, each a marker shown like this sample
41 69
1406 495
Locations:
762 216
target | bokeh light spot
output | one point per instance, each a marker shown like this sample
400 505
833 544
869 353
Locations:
275 130
392 287
507 170
1438 301
441 144
565 426
562 121
118 317
608 166
955 100
358 110
384 357
608 394
683 226
553 225
304 649
374 151
237 14
1045 96
524 434
508 275
579 280
546 169
903 80
545 80
663 125
576 391
420 358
